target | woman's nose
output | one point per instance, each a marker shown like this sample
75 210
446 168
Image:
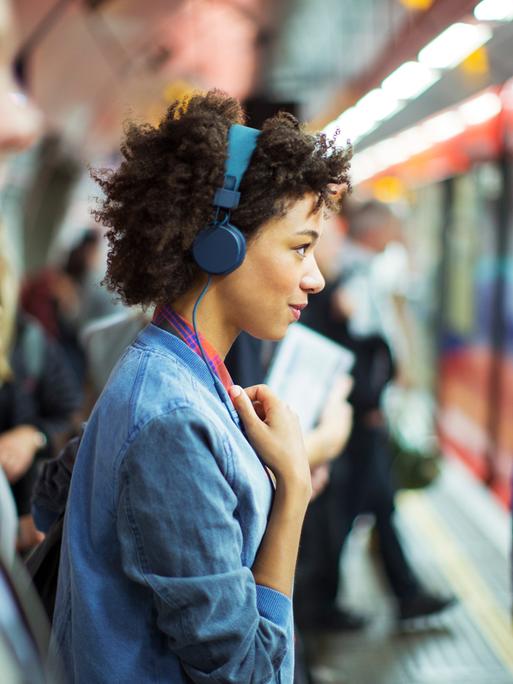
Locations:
313 281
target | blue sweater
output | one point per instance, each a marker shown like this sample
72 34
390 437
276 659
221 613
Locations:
167 509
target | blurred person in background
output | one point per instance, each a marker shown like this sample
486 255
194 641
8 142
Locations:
373 282
20 125
64 298
354 310
38 398
23 634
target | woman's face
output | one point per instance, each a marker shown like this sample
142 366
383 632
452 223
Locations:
267 292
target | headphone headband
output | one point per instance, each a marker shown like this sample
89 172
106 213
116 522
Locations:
242 141
220 248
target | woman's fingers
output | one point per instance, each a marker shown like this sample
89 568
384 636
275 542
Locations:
259 409
244 407
273 430
265 403
253 416
263 395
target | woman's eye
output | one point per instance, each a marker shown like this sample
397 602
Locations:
302 250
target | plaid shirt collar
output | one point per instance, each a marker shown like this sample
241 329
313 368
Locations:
186 332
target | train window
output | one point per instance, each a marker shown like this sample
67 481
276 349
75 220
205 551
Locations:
471 259
422 233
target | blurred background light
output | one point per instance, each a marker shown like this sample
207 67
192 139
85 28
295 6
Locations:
413 141
363 166
355 123
443 126
477 63
388 153
389 189
453 45
494 10
410 80
417 4
378 105
480 108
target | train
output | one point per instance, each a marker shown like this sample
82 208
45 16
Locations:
452 172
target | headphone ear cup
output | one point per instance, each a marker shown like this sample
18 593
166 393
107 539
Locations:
219 249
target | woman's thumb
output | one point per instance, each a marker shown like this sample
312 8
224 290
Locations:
243 405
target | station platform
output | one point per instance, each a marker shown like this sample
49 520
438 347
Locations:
458 538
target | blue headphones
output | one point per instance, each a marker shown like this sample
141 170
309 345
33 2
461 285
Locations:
220 248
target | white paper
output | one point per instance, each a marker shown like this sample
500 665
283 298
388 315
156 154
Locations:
304 369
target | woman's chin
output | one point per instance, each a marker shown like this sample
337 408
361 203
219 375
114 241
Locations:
273 333
277 333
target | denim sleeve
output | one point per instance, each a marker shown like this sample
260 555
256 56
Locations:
180 537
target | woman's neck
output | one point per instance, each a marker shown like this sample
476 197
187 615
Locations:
210 317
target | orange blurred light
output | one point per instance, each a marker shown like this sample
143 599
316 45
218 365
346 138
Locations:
476 62
388 189
417 4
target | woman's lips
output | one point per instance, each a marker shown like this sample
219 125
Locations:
296 310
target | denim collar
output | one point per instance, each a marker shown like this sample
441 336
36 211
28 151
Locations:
155 336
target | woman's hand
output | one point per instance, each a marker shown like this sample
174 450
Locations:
274 431
18 447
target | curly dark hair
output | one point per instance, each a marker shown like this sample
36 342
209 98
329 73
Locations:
161 195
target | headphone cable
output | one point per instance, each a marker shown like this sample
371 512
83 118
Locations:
205 359
194 311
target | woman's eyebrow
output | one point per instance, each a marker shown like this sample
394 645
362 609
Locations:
311 233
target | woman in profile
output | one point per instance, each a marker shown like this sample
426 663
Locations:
188 493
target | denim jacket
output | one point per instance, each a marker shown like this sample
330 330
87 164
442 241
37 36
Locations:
167 508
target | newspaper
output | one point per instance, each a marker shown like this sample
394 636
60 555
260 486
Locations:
304 369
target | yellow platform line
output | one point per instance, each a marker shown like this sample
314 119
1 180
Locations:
492 619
